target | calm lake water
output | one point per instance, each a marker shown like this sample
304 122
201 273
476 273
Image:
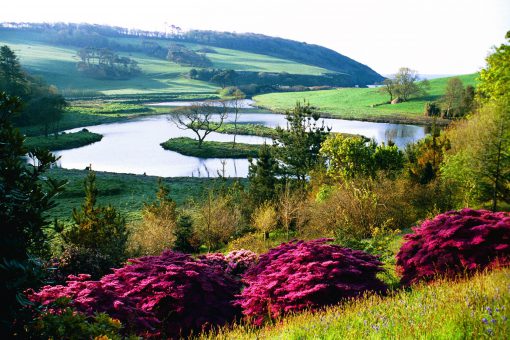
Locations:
134 146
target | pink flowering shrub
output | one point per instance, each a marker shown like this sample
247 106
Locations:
234 263
455 242
168 296
239 261
306 275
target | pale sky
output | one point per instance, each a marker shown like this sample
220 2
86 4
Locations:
430 36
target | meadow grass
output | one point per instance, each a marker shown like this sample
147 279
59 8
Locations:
209 149
361 103
474 308
63 141
124 191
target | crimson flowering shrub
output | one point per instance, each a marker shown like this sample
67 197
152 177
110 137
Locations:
306 275
169 295
455 242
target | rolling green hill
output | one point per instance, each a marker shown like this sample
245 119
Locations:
358 103
51 53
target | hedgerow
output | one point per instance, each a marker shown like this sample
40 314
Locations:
306 275
453 243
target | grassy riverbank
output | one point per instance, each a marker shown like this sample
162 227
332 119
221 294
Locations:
248 129
189 147
362 103
124 191
473 308
63 141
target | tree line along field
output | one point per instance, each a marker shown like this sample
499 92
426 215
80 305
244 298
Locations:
362 103
57 65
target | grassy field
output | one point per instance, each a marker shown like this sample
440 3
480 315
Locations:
125 192
356 103
63 141
189 147
475 308
57 65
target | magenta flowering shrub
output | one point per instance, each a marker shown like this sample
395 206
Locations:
239 261
453 243
167 296
306 275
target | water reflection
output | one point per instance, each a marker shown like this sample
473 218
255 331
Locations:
133 146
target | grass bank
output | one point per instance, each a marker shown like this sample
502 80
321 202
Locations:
362 103
124 191
472 308
189 147
248 129
63 141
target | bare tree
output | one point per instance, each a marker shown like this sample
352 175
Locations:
201 118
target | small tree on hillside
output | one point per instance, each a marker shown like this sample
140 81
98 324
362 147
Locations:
404 85
202 118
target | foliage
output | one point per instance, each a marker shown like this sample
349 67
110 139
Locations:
184 233
262 176
184 56
71 324
462 309
306 275
217 219
495 77
63 141
239 261
265 219
424 157
42 104
404 85
156 231
357 157
454 243
97 228
478 164
168 296
297 147
209 149
26 194
103 63
457 101
76 259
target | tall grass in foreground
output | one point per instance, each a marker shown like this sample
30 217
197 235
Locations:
470 308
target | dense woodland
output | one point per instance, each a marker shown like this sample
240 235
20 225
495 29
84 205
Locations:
346 198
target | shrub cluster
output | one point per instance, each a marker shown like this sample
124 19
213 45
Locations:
306 275
170 295
455 242
235 263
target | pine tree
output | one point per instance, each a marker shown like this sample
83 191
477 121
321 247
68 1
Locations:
262 176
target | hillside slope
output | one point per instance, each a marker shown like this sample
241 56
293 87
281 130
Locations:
51 51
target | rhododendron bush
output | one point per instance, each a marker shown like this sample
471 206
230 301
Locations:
299 275
234 263
455 242
169 295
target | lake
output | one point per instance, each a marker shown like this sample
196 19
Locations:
134 146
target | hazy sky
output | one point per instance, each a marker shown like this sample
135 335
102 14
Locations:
431 36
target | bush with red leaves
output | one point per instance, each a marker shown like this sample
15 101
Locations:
306 275
169 296
453 243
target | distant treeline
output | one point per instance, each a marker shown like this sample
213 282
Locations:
276 80
99 36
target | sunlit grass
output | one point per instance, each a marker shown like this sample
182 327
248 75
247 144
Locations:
360 103
466 309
